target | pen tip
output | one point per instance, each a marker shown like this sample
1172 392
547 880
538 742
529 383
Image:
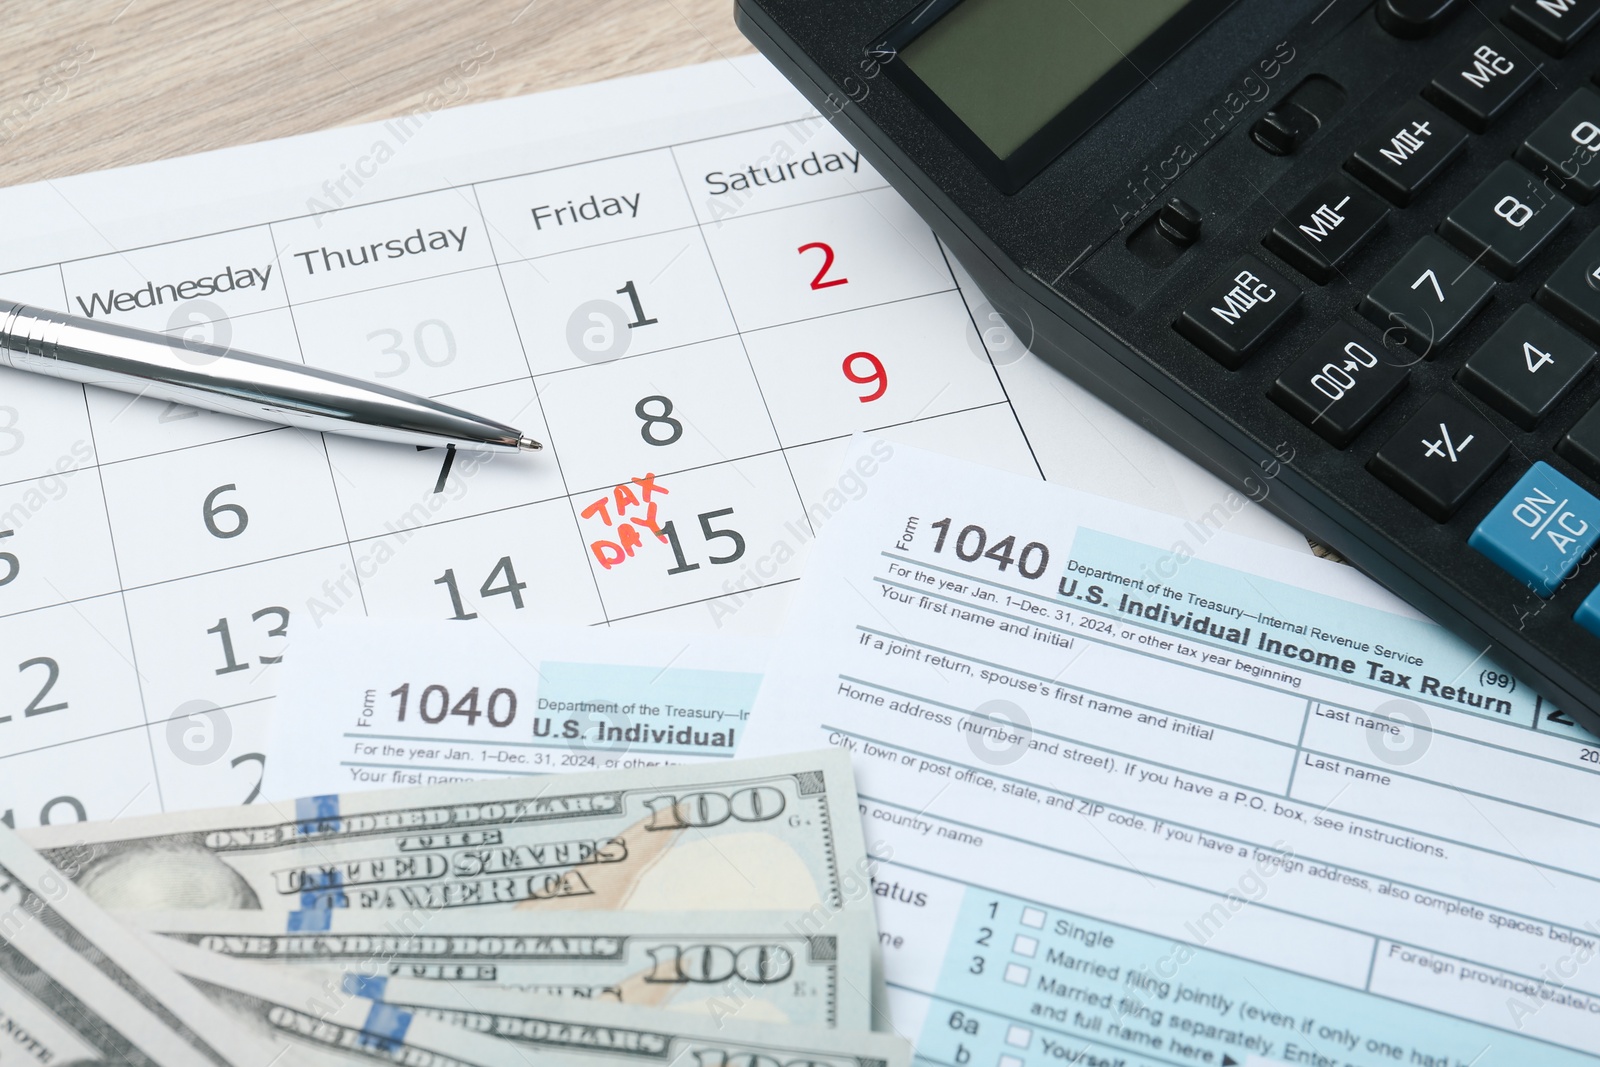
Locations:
528 444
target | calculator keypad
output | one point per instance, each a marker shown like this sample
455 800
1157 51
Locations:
1526 121
1527 365
1440 455
1428 296
1408 151
1506 220
1483 80
1326 227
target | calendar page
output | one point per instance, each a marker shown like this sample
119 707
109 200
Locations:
686 285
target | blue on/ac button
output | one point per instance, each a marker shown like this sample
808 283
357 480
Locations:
1541 529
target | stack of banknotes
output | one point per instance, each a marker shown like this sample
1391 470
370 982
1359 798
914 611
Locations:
705 916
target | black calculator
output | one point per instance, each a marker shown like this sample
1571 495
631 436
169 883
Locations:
1342 252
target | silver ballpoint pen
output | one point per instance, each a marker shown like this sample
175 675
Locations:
236 383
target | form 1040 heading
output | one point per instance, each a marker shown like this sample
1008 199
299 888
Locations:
1086 596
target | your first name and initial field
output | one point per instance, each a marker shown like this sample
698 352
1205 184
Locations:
447 240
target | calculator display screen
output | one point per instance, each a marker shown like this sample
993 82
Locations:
1014 82
1007 67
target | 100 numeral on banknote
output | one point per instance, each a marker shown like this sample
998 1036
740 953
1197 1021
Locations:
777 833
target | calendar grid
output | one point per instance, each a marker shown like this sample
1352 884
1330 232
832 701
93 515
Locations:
718 322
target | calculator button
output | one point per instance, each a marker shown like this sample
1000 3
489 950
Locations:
1326 227
1507 219
1540 530
1430 294
1440 455
1409 150
1483 80
1554 25
1573 289
1581 445
1236 312
1566 145
1339 384
1588 613
1527 365
1414 19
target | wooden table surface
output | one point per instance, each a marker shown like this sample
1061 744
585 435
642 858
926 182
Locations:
89 84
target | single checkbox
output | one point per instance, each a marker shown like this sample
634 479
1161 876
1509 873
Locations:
1025 946
1019 1037
1017 974
1010 1061
1033 917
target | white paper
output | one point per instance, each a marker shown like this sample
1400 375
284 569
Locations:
382 705
1147 793
596 266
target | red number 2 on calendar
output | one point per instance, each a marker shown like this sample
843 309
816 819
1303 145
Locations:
822 281
878 374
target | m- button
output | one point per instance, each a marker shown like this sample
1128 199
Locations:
1235 313
1325 228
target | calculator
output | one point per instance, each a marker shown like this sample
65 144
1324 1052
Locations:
1342 252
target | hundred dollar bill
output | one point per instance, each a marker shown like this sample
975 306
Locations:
604 1034
76 987
772 966
743 835
505 1027
282 1007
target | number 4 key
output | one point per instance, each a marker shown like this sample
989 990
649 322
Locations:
1527 365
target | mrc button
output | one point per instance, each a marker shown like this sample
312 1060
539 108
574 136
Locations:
1232 316
1541 529
1483 79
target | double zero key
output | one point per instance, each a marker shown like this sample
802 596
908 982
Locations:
1339 384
